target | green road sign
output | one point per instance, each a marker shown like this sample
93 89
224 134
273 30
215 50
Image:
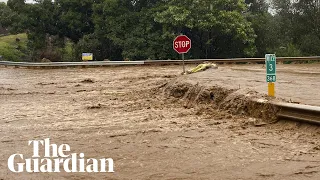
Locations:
271 65
271 78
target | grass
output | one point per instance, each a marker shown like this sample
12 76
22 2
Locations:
68 52
12 50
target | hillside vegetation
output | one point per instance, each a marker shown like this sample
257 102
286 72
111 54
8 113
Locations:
13 47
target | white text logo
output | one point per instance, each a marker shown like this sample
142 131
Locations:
57 159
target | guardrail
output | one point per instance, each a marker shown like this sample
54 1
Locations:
150 62
70 64
299 112
234 60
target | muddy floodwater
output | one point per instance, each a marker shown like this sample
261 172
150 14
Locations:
127 114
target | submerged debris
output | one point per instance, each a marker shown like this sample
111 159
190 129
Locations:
97 106
203 67
88 81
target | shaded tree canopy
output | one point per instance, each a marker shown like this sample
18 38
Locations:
144 29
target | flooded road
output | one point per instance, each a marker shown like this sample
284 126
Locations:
124 114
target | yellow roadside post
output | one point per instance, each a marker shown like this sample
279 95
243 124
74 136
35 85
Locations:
271 90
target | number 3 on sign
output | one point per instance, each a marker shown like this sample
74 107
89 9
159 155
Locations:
270 67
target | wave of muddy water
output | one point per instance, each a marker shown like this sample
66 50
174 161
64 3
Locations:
131 115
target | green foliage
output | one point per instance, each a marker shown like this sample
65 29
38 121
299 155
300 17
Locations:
290 50
75 18
5 15
299 24
91 44
310 44
144 29
11 39
13 50
68 52
10 19
132 29
261 21
217 28
9 53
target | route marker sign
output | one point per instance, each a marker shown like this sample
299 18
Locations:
182 45
271 65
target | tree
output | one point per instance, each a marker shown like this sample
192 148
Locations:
300 24
10 19
144 29
217 28
75 18
265 26
130 26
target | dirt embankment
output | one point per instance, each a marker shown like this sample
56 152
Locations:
241 102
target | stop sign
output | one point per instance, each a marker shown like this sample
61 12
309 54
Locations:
182 44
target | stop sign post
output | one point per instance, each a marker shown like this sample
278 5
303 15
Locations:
182 45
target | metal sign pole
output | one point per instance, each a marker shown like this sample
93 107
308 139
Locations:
184 68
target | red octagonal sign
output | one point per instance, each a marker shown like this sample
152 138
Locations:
182 44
